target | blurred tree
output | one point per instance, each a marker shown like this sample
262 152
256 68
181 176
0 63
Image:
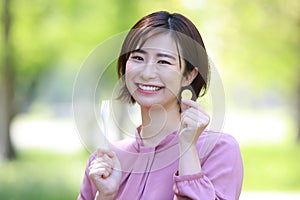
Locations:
49 39
259 47
6 90
298 114
22 65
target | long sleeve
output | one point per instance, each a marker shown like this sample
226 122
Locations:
87 189
221 176
150 173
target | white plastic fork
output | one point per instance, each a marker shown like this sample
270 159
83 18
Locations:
105 118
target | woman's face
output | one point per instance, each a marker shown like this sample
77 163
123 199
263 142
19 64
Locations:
153 74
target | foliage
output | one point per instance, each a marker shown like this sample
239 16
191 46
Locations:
255 39
260 45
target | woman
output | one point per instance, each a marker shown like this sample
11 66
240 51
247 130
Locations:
162 55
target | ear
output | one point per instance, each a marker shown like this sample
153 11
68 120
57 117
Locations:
188 79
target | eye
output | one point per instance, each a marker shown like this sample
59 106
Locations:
137 58
164 62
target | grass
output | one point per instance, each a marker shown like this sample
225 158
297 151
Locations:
271 168
45 175
42 175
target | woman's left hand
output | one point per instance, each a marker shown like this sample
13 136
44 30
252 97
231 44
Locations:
193 122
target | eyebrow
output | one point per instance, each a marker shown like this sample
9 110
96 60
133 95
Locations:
158 54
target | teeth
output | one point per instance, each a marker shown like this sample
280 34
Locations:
149 88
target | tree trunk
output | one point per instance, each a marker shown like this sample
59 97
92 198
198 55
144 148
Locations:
298 112
298 88
6 88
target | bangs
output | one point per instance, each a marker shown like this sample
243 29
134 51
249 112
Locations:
138 38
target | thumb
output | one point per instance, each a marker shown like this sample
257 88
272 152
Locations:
100 152
117 161
184 105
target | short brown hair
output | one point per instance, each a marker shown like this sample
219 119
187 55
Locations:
187 37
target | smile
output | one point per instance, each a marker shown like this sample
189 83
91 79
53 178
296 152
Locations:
149 87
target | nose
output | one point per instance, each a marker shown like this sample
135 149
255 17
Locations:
149 71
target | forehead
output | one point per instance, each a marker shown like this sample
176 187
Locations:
160 42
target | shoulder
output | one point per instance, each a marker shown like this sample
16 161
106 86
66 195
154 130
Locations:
218 138
211 142
226 139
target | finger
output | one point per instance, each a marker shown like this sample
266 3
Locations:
184 107
102 163
196 115
199 116
113 162
100 172
103 158
105 174
108 160
186 103
100 152
188 121
117 164
192 113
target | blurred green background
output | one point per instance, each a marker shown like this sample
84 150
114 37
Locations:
254 45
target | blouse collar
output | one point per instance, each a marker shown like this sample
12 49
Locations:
168 141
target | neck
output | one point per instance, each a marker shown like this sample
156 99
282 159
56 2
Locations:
157 123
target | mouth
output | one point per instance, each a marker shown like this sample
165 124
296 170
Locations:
149 87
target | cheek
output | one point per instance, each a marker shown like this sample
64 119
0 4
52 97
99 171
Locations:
176 78
127 66
176 83
130 72
172 82
130 68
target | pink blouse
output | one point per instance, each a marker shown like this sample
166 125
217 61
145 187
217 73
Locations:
151 172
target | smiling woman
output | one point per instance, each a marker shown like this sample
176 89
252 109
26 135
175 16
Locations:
162 55
153 73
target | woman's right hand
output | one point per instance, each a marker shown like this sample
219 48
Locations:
105 172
